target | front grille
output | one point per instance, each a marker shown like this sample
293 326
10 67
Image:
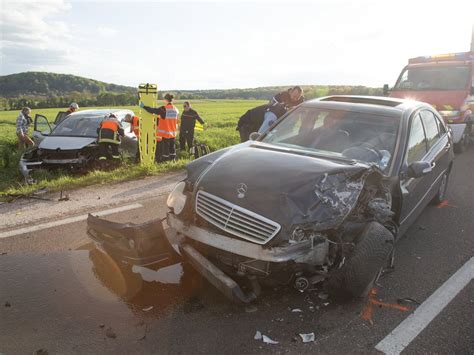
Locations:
234 219
58 154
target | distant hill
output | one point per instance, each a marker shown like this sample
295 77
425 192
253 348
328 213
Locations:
52 84
43 90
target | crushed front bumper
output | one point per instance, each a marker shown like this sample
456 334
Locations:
150 245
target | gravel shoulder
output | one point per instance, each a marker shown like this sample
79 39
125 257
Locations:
29 211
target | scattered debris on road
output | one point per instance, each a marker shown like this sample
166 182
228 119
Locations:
264 338
445 203
110 333
8 304
296 310
147 309
368 311
408 300
251 309
307 338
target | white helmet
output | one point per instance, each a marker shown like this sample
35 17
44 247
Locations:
74 105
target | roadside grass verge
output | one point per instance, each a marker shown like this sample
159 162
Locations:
220 116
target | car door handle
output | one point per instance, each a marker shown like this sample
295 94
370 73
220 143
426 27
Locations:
430 169
448 146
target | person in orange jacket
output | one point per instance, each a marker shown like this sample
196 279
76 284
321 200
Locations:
166 128
135 128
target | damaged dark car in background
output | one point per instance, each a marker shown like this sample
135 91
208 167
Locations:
320 197
70 142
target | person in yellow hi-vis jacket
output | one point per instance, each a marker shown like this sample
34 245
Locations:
188 122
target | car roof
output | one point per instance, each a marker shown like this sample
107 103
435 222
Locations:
101 112
385 106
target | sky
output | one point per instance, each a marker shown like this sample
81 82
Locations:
229 44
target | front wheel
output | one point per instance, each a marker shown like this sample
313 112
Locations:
357 276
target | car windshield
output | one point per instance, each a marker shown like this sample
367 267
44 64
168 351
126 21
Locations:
78 126
369 138
434 78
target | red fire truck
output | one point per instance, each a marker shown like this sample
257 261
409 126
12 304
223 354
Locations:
445 81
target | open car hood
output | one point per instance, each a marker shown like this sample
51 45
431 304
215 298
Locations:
66 143
290 189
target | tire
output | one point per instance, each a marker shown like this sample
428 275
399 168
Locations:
360 271
441 194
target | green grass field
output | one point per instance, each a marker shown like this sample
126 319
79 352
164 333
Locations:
220 116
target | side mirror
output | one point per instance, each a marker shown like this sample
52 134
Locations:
254 136
386 90
420 168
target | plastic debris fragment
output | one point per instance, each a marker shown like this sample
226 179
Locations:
309 337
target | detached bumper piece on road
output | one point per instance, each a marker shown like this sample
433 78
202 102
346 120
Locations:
133 244
147 245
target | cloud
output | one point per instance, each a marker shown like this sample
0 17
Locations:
32 38
106 31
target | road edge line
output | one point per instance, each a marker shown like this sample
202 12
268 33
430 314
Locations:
413 325
38 227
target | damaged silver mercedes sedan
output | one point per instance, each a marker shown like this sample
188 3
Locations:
320 197
70 142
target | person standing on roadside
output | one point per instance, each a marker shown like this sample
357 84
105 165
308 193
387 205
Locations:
166 126
279 105
23 122
186 129
73 107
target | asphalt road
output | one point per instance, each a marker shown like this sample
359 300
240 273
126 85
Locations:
59 294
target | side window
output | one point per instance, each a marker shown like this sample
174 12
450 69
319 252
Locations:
431 127
441 126
417 141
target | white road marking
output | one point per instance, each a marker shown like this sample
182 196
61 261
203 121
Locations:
61 222
403 335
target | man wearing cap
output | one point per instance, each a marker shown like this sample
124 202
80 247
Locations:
166 127
73 107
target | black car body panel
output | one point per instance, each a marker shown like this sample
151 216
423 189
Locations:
284 213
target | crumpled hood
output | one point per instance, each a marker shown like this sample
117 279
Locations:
287 188
66 143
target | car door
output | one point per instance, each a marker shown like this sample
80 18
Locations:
129 141
41 128
439 147
60 117
425 143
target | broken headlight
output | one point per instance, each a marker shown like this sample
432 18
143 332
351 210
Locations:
177 198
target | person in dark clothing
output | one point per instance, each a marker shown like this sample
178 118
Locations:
251 122
166 125
279 105
188 121
260 118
